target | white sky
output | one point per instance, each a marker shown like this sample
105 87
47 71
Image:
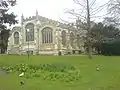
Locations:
53 9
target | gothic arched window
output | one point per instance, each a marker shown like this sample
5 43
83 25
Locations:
64 38
29 29
16 38
47 35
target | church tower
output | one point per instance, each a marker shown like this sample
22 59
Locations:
37 18
22 19
37 15
22 32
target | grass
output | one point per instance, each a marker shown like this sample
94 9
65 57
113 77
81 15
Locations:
108 78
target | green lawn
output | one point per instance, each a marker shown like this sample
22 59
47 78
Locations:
108 78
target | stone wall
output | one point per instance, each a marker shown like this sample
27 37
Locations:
37 46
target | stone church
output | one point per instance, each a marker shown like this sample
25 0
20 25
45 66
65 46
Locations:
43 36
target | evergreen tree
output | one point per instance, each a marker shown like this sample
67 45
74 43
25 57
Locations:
5 18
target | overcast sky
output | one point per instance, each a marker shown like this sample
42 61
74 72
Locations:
53 9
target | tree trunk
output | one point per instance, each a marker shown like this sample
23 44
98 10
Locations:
89 31
90 51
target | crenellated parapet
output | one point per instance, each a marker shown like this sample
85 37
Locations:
30 18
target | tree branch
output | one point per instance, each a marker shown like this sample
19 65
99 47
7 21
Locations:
92 3
95 11
72 12
78 2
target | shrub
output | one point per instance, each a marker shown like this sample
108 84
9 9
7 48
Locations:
53 72
111 48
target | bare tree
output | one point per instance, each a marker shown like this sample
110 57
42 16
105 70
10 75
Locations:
114 11
86 14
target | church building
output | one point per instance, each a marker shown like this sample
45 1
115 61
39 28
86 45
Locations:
43 36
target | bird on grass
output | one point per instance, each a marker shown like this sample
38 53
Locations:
22 74
22 82
97 68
